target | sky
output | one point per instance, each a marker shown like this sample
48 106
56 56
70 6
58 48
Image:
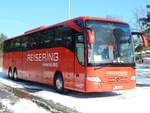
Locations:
18 16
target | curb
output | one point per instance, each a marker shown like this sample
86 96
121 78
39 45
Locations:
49 105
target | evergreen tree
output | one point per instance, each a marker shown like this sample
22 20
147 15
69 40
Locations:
2 38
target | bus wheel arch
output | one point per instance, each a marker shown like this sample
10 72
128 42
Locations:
59 82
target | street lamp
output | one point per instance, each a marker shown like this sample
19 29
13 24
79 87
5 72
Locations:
69 7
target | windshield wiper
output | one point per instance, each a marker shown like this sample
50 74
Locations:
118 61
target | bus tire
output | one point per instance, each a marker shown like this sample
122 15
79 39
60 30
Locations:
59 83
15 73
10 74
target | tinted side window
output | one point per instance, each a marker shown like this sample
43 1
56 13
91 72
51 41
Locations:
59 36
33 41
47 38
24 43
68 40
30 42
13 45
17 45
63 37
7 46
41 40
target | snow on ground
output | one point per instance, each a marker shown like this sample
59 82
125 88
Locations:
136 100
143 80
147 59
23 106
143 76
143 72
4 80
131 101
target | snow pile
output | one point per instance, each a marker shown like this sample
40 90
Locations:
23 106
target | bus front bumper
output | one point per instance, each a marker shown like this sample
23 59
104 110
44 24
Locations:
108 87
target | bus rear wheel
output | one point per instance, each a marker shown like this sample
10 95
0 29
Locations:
10 74
59 83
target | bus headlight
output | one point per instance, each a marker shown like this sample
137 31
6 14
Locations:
133 78
94 79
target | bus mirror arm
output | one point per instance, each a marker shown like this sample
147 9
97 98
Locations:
91 36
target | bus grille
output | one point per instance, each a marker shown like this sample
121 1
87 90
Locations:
116 79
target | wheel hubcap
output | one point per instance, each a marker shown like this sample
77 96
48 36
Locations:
10 74
59 83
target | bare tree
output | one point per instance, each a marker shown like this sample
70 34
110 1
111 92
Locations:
138 15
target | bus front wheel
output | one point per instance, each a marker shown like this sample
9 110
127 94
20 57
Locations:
59 83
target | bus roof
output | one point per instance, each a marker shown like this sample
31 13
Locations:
67 21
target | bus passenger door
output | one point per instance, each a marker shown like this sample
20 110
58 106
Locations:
79 74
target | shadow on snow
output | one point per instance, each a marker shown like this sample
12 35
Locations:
37 87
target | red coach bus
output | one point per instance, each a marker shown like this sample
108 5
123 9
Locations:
85 54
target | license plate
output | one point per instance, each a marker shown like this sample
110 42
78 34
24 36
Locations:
117 87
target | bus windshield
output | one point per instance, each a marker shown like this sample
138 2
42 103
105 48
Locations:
113 43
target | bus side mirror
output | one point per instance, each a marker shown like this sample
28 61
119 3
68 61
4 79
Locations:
140 39
145 40
91 36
